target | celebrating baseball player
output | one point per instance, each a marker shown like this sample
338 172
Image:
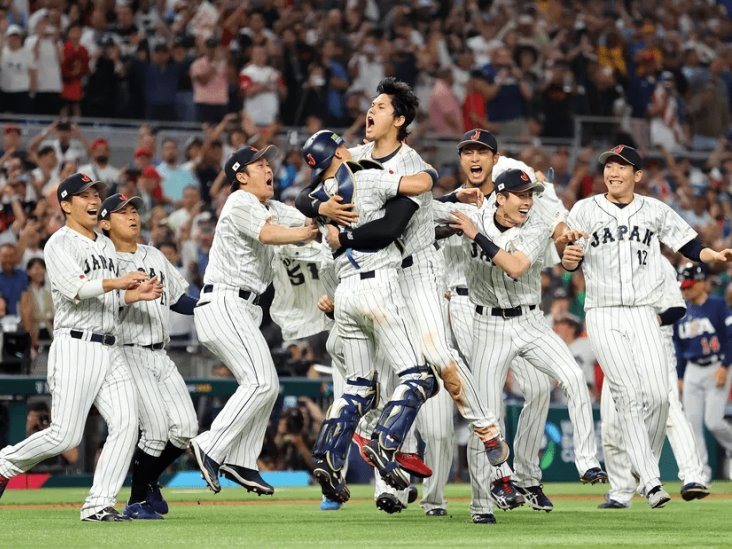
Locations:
678 429
617 238
167 417
703 340
228 315
84 366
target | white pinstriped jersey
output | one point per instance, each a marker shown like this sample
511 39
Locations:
237 258
671 295
420 231
453 248
298 287
372 189
72 259
623 262
489 284
148 322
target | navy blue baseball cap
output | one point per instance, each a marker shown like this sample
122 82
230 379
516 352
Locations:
516 181
246 155
115 203
478 136
318 151
691 273
629 154
76 184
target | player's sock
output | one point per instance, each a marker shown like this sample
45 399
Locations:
143 469
170 453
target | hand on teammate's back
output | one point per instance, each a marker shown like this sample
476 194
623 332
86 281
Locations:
463 223
343 214
325 304
331 236
470 196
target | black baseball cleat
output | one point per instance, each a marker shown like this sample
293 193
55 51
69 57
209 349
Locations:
536 498
694 490
332 484
657 497
249 479
593 476
389 503
155 498
412 493
209 468
505 494
108 514
484 518
3 484
436 512
389 469
612 504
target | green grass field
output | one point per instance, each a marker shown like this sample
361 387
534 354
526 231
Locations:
49 518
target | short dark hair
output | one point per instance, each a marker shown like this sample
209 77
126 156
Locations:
403 101
169 244
35 261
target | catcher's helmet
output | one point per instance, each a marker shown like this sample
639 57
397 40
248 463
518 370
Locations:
690 273
319 149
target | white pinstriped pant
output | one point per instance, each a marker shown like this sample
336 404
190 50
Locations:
228 326
496 342
82 374
163 400
628 344
678 430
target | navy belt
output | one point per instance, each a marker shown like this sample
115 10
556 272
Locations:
104 339
367 274
244 294
707 361
504 313
461 291
153 346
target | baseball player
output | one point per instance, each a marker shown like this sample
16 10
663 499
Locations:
84 366
167 418
503 277
703 341
678 430
620 255
228 315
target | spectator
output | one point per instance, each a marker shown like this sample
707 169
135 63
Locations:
74 67
367 68
17 72
46 50
336 83
506 94
559 102
666 113
105 81
174 176
445 113
208 167
184 94
151 191
709 108
36 305
210 84
99 167
262 87
12 135
38 419
182 329
45 175
13 281
161 83
190 207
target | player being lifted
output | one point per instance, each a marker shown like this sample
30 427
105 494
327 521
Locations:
85 367
228 315
620 255
167 418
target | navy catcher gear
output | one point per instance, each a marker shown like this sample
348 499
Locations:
318 151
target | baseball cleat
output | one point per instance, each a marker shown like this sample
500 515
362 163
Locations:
436 512
329 505
389 469
249 479
108 514
3 484
483 518
410 462
536 498
362 442
155 498
657 497
593 476
504 493
389 503
141 510
332 485
612 504
209 468
694 490
412 493
496 450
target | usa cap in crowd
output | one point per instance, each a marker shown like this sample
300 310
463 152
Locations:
516 181
319 150
691 273
76 184
115 203
244 156
629 154
478 136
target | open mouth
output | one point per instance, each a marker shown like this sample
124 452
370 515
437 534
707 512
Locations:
369 122
476 171
93 212
524 211
133 225
269 182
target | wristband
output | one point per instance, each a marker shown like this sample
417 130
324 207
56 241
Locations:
487 245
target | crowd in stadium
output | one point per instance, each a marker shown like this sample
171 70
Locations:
247 69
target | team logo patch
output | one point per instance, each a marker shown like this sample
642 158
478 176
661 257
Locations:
85 178
254 149
524 176
104 212
235 166
64 194
391 172
501 186
619 149
475 135
335 137
310 159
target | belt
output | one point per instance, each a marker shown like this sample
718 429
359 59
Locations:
461 291
505 313
707 361
244 294
367 274
153 346
104 339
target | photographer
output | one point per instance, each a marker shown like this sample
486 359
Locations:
38 419
298 424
